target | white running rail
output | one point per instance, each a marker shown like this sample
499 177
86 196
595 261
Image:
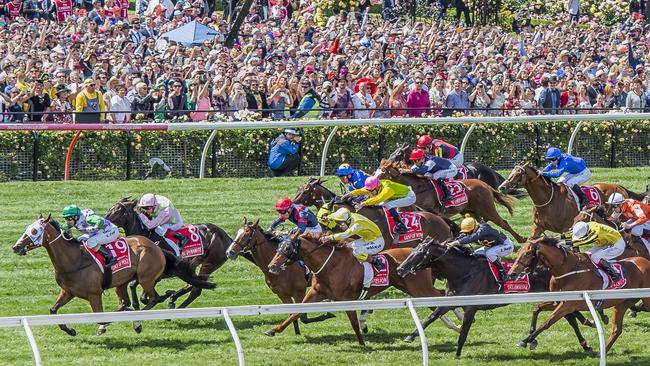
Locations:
411 303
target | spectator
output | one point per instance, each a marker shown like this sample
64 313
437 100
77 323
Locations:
177 101
310 104
342 100
573 6
143 102
480 99
635 100
120 106
617 98
549 98
284 153
417 101
39 102
62 105
363 102
458 100
398 99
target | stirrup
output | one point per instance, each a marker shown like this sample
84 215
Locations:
364 293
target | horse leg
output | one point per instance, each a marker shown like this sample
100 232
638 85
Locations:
560 311
492 215
352 315
571 318
533 320
636 309
63 298
617 325
312 296
133 285
437 313
464 329
123 295
195 292
96 305
459 314
286 299
584 321
171 304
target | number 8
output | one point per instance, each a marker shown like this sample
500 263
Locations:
194 235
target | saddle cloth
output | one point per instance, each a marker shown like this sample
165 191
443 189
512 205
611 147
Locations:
194 246
412 222
458 194
381 277
607 279
521 285
593 196
120 250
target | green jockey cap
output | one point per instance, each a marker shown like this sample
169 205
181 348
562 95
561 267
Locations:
71 210
324 212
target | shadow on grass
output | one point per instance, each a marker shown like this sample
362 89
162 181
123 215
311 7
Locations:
176 345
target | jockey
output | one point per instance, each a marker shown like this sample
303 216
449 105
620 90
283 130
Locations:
321 215
354 178
370 241
607 244
495 244
157 213
434 167
576 168
636 213
300 215
441 149
96 230
388 194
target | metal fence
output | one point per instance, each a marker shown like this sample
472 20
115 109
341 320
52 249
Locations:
240 149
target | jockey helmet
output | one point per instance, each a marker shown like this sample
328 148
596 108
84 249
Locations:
468 225
424 141
283 204
323 218
292 131
344 169
417 154
342 214
580 230
615 199
148 200
71 210
371 183
553 153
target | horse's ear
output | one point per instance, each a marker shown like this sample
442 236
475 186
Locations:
256 223
49 217
527 164
244 221
40 215
125 199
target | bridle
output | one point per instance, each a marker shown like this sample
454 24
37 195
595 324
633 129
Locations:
523 172
245 245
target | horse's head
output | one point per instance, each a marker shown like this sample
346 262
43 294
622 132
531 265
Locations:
244 239
32 238
313 193
526 259
287 253
122 213
518 177
389 169
418 259
401 153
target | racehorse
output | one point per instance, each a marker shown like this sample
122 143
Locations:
290 284
78 275
575 271
215 241
470 275
609 189
480 196
474 170
338 275
554 206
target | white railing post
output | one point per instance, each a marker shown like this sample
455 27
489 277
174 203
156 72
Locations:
235 337
423 337
572 139
599 328
204 153
323 157
466 138
32 341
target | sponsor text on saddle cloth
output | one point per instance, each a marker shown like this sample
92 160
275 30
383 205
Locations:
457 190
194 246
520 285
412 222
593 197
120 250
462 173
380 278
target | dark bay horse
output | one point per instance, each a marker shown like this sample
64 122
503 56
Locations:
215 240
338 276
78 275
481 197
290 285
470 275
554 206
574 271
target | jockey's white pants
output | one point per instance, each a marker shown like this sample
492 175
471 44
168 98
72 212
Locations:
107 235
458 160
314 229
607 252
162 229
496 251
400 202
638 230
361 246
573 179
444 174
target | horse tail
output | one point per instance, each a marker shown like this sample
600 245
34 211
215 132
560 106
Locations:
504 200
455 229
182 269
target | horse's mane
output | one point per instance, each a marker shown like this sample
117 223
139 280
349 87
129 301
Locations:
529 166
57 227
311 236
271 236
55 224
317 182
547 240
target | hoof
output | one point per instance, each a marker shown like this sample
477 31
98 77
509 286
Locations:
588 349
409 339
364 330
632 314
522 344
605 319
533 345
101 331
137 327
270 333
330 315
71 332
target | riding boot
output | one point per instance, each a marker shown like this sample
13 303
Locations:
182 240
503 275
400 228
582 197
109 258
607 267
379 265
446 195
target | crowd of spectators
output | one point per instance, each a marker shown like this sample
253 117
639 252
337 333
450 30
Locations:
94 57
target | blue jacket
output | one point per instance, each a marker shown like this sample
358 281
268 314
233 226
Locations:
432 165
280 148
485 235
358 180
567 164
299 215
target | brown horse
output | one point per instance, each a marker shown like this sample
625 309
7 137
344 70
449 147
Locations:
79 276
481 197
607 189
338 276
554 206
574 271
290 285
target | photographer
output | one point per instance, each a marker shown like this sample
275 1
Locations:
284 154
